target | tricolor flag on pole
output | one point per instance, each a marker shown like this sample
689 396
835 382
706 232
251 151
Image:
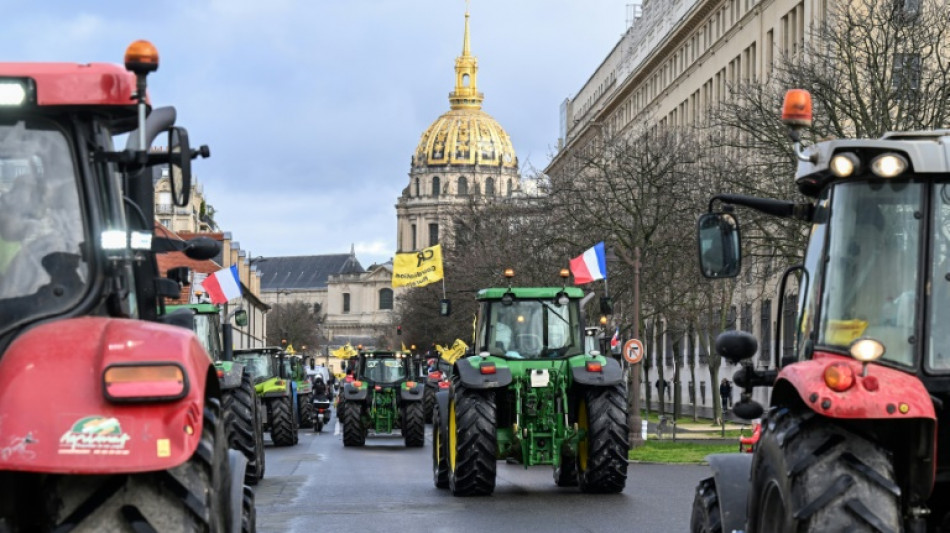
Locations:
223 285
590 266
615 340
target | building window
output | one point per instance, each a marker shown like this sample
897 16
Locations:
436 185
346 302
167 222
906 76
385 298
765 323
433 234
417 186
414 243
463 186
490 187
509 187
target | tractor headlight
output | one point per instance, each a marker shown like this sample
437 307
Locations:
888 165
15 92
867 350
844 165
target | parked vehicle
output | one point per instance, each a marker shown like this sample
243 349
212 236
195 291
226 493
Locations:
136 438
851 439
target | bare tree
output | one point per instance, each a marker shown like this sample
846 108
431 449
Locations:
298 323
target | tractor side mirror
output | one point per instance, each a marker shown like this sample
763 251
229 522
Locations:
240 317
719 247
202 248
736 346
179 165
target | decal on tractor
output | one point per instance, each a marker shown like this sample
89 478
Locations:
96 435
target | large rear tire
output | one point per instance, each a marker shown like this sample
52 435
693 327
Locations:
706 516
810 473
305 404
414 425
473 444
602 454
440 451
283 427
189 497
240 405
354 433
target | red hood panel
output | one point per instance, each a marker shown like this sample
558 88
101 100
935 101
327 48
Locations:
55 418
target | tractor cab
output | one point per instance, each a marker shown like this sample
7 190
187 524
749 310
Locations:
530 323
261 363
384 368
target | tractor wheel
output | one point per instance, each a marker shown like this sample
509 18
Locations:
810 473
428 401
189 497
239 405
440 451
414 425
305 404
472 442
602 454
248 511
283 427
706 517
259 432
354 434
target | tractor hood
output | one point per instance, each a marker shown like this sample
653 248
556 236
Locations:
54 415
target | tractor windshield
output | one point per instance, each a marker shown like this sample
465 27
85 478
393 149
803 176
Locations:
530 329
384 370
208 332
938 350
871 281
261 366
42 267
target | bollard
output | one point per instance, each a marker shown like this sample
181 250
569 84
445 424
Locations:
643 431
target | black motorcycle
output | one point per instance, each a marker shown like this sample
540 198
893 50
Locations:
321 409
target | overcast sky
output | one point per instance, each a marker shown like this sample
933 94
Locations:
313 108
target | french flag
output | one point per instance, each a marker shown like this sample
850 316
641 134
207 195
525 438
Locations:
590 265
223 285
615 340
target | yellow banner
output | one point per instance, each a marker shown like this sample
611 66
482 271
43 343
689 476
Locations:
453 353
418 269
344 352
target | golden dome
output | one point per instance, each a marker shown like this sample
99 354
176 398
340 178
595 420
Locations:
465 135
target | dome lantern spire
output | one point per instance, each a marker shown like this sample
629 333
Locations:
466 95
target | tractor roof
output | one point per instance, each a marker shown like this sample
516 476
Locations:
74 84
273 350
529 292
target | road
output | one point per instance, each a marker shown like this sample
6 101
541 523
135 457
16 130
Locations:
320 485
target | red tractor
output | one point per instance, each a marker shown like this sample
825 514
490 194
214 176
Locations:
850 441
110 416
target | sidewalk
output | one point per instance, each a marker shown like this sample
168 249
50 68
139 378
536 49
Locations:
701 430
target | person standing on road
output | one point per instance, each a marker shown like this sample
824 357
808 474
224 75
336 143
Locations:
725 390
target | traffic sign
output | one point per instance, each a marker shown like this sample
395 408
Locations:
633 351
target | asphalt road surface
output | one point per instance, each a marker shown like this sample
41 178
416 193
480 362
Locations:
318 485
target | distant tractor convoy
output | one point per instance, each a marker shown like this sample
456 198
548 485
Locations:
384 396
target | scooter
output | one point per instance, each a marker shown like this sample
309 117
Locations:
321 406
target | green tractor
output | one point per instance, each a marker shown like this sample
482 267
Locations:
239 402
294 368
384 396
534 394
276 389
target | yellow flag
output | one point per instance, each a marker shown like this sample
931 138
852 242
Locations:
403 346
345 352
452 354
418 269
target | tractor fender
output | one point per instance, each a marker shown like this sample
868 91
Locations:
610 374
412 395
87 433
470 375
355 393
731 472
229 374
885 393
238 464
